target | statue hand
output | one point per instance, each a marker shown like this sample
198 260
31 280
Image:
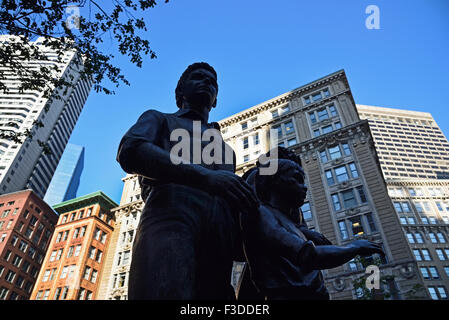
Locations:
233 189
366 248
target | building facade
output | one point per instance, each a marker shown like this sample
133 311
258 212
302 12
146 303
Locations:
74 262
414 157
26 165
66 179
114 283
26 226
348 197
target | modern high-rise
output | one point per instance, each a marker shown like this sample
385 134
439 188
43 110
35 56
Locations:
114 282
26 165
75 258
414 157
347 197
26 226
66 179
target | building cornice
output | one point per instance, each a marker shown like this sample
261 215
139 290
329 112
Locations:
283 99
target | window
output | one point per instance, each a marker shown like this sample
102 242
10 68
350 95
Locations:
274 114
256 139
103 237
333 111
91 252
70 252
77 250
65 292
410 238
316 132
126 257
64 218
434 273
316 96
59 254
245 143
246 158
10 276
334 152
58 237
244 125
341 174
432 237
329 177
424 220
81 214
83 230
336 202
19 281
57 293
403 220
411 220
81 294
343 231
417 254
99 255
362 196
441 237
326 129
46 275
433 220
348 199
76 233
64 272
357 228
322 114
418 237
442 292
353 169
94 276
440 254
97 233
426 255
17 260
425 273
86 273
371 224
312 117
289 127
26 266
291 142
323 156
65 235
306 211
52 256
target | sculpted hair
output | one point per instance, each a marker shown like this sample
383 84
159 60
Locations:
185 74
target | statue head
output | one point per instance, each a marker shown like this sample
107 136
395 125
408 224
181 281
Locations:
287 183
198 86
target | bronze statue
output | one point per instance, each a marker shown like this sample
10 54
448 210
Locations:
186 239
284 261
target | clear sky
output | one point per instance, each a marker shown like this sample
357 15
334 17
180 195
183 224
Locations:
261 49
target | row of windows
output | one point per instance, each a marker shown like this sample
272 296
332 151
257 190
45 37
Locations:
424 255
323 114
424 220
335 152
316 96
438 293
341 174
25 248
77 233
326 129
347 199
18 280
434 238
74 216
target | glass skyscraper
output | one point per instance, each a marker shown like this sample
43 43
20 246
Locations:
66 179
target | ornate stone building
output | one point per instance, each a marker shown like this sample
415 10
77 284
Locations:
114 283
347 197
414 157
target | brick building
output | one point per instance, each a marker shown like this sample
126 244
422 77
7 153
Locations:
74 262
26 226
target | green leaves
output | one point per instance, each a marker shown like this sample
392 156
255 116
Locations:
29 19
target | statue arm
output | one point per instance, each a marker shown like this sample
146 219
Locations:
305 253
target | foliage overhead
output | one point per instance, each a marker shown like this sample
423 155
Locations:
63 28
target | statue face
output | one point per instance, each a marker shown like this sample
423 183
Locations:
291 185
200 89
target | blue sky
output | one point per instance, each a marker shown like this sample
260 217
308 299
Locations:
261 49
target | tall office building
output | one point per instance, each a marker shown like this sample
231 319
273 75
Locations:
414 157
66 179
114 282
25 165
347 197
74 262
26 226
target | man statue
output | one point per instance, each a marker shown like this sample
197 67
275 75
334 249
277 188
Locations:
186 238
284 264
